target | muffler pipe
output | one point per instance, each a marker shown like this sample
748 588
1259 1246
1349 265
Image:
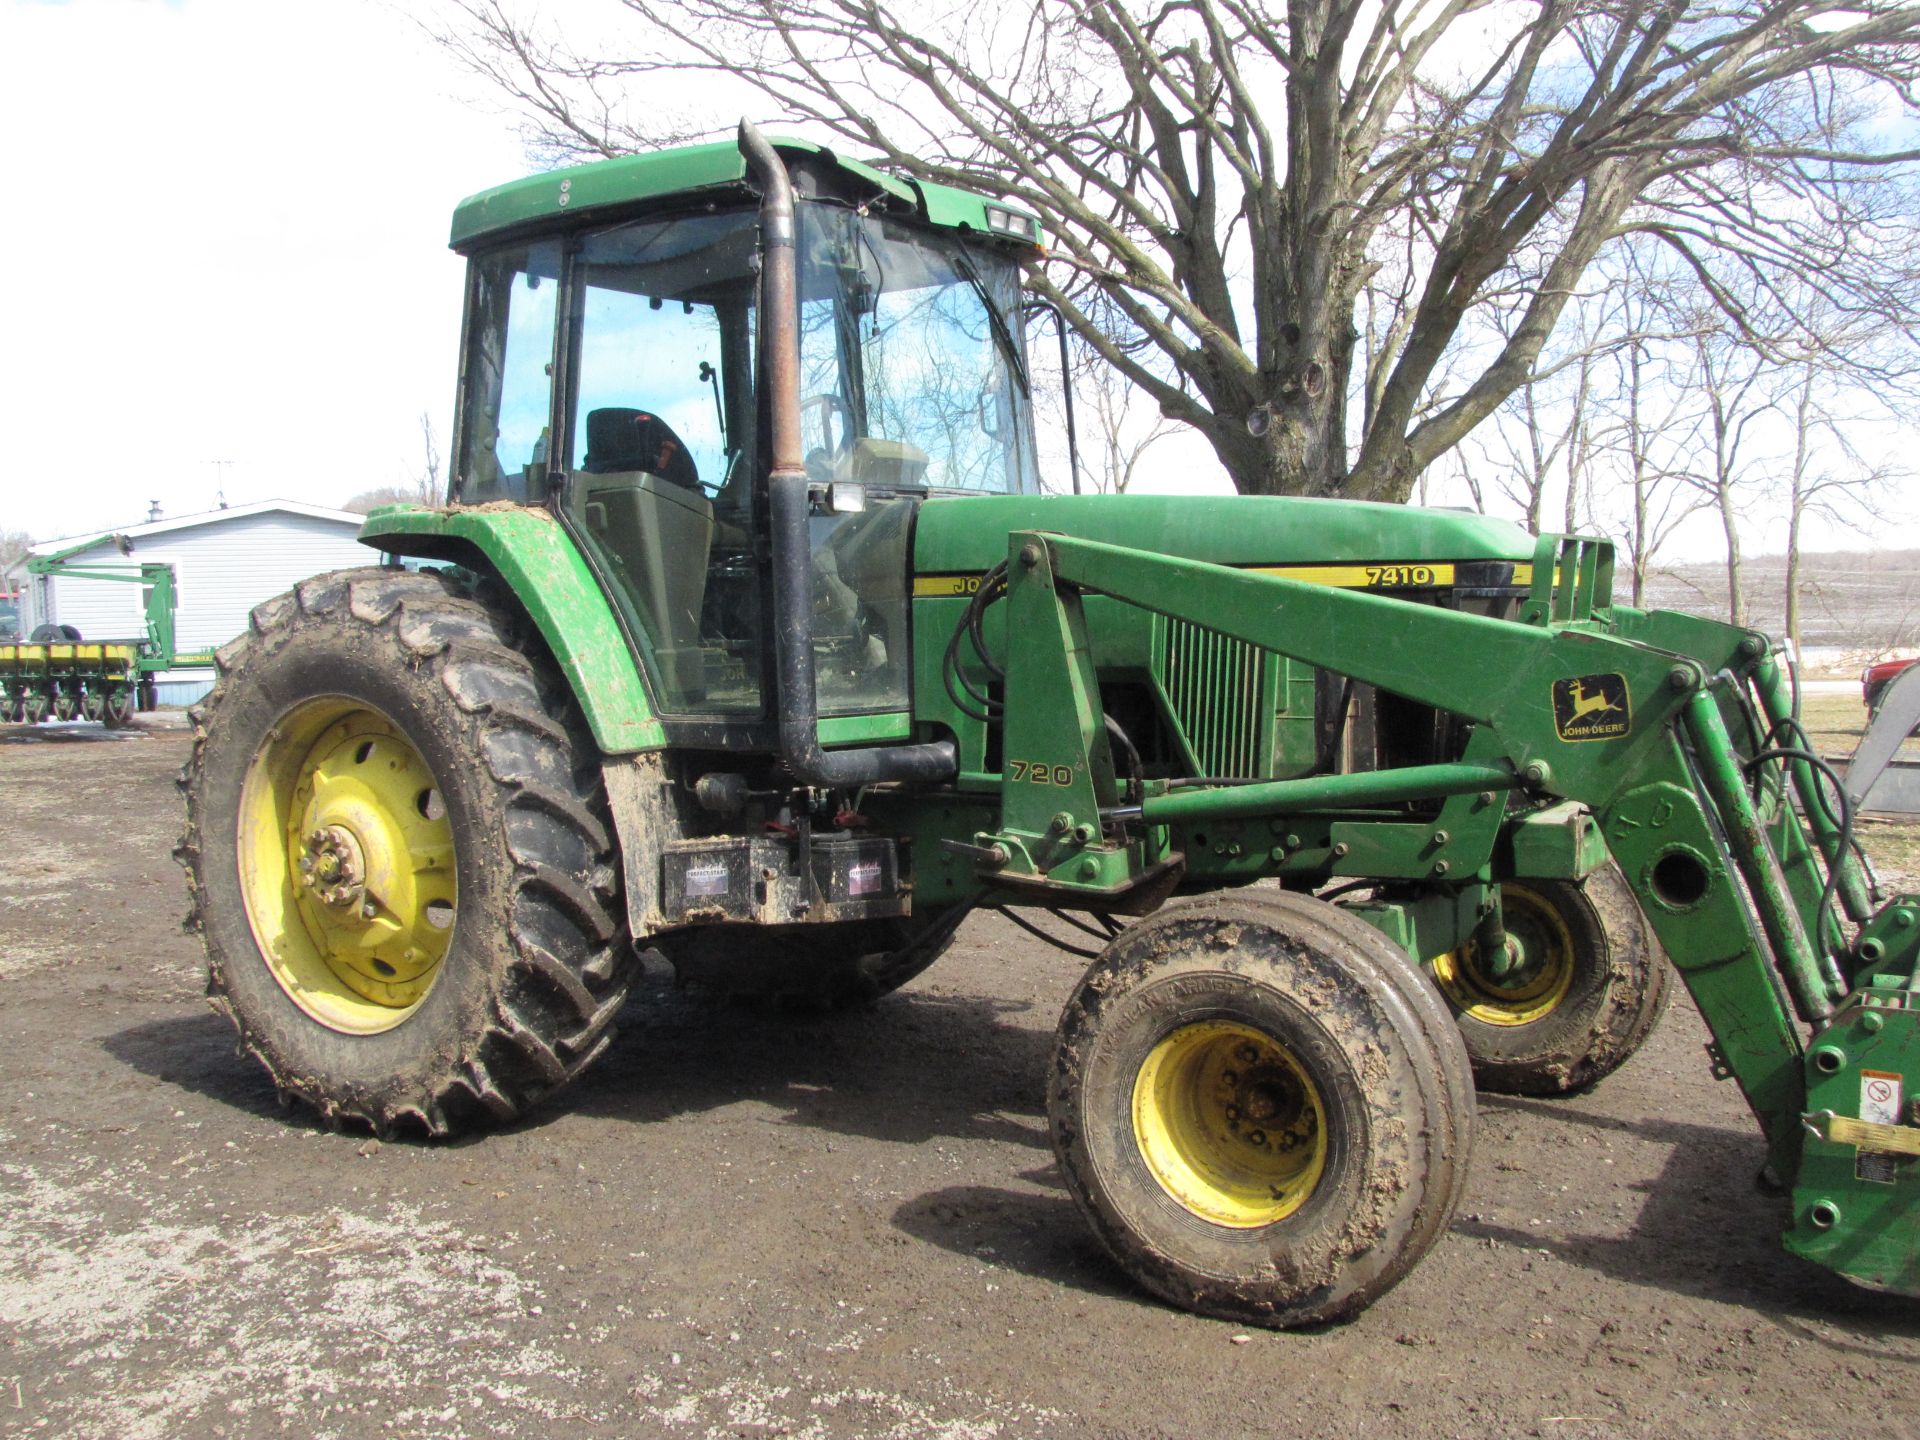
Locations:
788 509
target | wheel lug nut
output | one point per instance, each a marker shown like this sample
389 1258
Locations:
369 910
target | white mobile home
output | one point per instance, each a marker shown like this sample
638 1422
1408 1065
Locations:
224 563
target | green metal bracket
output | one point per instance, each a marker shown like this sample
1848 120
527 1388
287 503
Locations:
1561 842
1664 841
1858 1186
160 603
1052 770
1057 766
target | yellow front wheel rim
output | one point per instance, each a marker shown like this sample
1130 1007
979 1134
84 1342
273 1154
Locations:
1229 1123
1538 979
347 865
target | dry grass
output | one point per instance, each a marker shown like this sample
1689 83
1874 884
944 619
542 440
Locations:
1834 723
1894 848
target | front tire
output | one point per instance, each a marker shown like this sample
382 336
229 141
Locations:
1590 986
397 858
1260 1108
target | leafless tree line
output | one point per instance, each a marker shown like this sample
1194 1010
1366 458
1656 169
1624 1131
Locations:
1658 401
1334 237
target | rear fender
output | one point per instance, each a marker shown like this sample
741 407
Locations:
539 562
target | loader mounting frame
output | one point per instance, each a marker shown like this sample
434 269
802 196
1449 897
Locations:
1677 735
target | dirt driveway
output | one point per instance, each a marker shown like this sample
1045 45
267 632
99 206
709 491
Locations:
739 1226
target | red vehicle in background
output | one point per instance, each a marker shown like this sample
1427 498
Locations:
1875 679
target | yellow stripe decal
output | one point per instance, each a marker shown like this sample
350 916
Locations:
935 585
1363 577
1407 576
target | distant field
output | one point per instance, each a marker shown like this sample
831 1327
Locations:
1857 603
1834 723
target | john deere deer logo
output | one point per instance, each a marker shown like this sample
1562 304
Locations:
1585 704
1591 707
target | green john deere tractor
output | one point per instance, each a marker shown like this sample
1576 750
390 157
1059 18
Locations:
747 636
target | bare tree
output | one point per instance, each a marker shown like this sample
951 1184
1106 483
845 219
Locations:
14 545
423 487
1732 378
1647 433
1544 429
428 476
1583 444
1122 431
1828 476
1223 178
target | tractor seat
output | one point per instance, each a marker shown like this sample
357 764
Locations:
620 439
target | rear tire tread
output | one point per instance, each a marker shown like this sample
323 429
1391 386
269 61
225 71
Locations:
556 1010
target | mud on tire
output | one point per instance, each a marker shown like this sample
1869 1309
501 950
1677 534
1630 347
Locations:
1597 1013
1261 1108
533 964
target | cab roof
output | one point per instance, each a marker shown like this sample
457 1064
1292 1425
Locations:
540 201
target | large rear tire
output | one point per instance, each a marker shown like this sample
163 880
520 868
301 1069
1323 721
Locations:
1590 985
398 858
1261 1108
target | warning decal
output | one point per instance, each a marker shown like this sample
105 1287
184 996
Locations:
1879 1097
1591 707
1880 1105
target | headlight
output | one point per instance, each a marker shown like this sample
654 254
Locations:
1013 222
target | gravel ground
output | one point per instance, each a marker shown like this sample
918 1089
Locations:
741 1226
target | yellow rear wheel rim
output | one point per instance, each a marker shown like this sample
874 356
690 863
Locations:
347 865
1229 1124
1538 981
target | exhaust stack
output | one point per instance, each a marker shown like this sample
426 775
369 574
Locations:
787 508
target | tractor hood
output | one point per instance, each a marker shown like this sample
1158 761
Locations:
960 537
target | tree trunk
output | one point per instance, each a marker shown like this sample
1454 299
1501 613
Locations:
1797 506
1793 577
1291 444
1736 599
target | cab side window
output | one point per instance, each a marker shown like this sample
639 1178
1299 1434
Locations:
509 393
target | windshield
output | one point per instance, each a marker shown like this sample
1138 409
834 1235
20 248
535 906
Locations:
911 373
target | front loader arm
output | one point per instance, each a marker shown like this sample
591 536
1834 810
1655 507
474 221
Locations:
1627 717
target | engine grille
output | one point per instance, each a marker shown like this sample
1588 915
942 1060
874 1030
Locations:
1217 694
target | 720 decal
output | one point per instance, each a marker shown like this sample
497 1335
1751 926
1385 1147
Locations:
1038 774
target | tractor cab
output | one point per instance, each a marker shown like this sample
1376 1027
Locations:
613 374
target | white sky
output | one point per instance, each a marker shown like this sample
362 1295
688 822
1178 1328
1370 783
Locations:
226 242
